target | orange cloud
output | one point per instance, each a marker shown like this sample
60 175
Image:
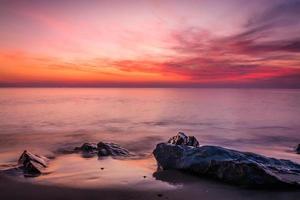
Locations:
77 46
21 68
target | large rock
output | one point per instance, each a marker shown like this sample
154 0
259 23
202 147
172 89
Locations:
32 164
103 149
182 139
228 165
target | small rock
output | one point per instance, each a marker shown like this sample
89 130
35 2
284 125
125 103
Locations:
102 168
145 176
111 149
103 152
102 149
159 195
182 139
192 141
32 164
88 148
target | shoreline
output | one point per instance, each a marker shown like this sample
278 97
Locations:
73 176
189 188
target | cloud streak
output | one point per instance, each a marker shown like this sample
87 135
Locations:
262 51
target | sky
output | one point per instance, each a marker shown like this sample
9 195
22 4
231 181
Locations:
153 43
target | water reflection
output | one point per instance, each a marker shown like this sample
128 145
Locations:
76 171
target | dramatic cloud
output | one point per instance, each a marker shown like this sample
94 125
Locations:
143 43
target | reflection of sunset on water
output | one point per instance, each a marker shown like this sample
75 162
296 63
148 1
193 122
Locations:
75 171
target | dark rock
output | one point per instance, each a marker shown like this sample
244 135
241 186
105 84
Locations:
228 165
182 139
88 148
32 164
102 149
192 141
298 149
111 149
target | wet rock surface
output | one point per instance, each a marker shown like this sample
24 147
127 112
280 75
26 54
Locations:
111 149
241 168
182 139
103 149
88 148
32 164
29 164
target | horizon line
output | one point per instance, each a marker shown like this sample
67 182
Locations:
175 87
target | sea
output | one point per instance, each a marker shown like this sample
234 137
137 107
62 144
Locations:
47 121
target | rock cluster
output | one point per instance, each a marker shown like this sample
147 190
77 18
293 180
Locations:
103 149
182 139
242 168
31 164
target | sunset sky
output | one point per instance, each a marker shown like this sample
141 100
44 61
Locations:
228 43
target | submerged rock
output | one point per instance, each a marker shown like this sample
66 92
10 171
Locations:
298 149
182 139
228 165
103 149
32 164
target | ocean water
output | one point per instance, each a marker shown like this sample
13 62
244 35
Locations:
262 120
47 121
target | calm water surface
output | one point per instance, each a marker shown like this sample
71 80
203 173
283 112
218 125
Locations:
45 120
230 117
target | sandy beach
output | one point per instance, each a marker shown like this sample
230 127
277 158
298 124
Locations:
189 188
74 176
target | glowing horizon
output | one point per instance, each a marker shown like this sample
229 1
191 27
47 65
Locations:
233 43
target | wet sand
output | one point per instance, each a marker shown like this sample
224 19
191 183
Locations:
191 188
75 176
